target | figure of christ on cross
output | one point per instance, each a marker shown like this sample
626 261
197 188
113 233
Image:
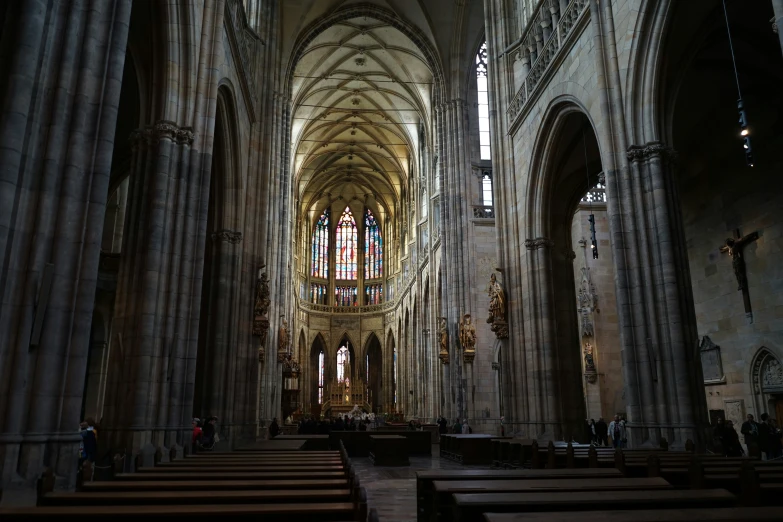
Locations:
735 246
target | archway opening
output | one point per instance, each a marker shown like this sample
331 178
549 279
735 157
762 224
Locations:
588 357
374 374
317 376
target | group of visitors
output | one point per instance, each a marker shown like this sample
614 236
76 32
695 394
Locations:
204 433
766 435
309 426
600 433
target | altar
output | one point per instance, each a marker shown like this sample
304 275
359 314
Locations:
343 398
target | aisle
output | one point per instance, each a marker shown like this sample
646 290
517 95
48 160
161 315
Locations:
392 490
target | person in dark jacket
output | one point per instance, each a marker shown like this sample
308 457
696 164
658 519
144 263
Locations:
274 429
602 432
89 443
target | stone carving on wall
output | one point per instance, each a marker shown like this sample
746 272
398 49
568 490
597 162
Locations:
467 337
591 374
443 338
735 411
227 236
539 242
497 308
711 363
260 310
282 339
772 374
587 324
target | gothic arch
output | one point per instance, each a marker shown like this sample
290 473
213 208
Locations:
766 378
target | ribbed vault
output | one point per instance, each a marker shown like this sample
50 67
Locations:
361 98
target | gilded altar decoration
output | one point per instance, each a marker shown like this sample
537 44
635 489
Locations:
260 310
497 308
282 339
443 337
467 337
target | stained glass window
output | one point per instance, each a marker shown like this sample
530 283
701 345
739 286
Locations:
320 260
483 101
345 296
373 294
321 372
318 294
373 247
342 357
347 243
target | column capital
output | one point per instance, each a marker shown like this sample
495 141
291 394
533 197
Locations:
650 150
539 242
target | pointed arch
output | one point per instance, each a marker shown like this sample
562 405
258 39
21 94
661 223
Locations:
766 378
346 246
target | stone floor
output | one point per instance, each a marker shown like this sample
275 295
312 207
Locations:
392 490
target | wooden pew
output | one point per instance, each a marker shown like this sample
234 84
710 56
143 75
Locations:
388 450
444 491
294 512
425 480
231 475
730 514
470 507
112 498
468 449
205 484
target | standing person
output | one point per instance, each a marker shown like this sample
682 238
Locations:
731 442
465 427
209 434
719 436
89 443
198 433
443 425
617 431
591 432
774 442
274 429
601 431
750 429
457 428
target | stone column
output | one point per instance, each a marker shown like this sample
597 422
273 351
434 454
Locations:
63 68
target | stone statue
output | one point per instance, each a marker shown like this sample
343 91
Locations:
260 309
590 371
444 340
497 301
282 339
467 336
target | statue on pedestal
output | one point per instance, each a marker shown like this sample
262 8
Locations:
467 337
444 340
260 309
497 308
282 339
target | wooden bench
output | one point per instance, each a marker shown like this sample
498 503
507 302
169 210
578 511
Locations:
275 445
357 443
212 485
294 512
229 468
388 450
231 475
443 496
425 489
112 498
468 449
470 507
252 463
765 514
311 442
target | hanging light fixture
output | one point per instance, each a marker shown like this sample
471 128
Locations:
743 117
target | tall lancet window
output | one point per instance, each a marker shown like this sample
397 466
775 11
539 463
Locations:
483 101
320 260
373 247
347 243
342 358
321 371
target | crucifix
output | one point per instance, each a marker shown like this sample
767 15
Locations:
735 246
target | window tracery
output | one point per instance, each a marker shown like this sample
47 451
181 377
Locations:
346 243
373 247
483 101
320 252
321 371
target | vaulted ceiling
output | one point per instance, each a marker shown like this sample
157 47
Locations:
361 96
